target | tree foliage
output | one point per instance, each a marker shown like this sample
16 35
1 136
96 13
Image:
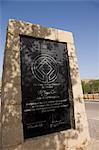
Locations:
90 87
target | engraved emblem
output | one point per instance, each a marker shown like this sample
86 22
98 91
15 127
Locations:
44 68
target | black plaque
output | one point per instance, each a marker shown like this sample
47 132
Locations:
45 86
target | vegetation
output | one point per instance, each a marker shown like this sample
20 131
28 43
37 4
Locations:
90 87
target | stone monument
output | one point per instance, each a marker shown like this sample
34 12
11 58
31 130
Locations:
41 97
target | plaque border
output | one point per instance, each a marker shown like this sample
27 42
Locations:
72 120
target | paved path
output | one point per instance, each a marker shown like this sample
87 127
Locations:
92 109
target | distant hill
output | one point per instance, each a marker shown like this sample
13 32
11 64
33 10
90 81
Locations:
87 80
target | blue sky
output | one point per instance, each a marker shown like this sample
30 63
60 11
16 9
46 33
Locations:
79 17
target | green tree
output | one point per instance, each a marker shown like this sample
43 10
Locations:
90 87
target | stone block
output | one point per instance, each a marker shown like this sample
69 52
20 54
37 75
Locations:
11 68
12 133
11 94
12 128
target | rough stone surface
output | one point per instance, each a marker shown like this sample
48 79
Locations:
12 131
11 94
11 125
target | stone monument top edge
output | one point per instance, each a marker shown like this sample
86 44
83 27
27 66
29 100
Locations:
67 34
15 20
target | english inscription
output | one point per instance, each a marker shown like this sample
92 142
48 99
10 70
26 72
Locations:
44 84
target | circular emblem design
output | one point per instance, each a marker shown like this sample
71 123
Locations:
44 68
